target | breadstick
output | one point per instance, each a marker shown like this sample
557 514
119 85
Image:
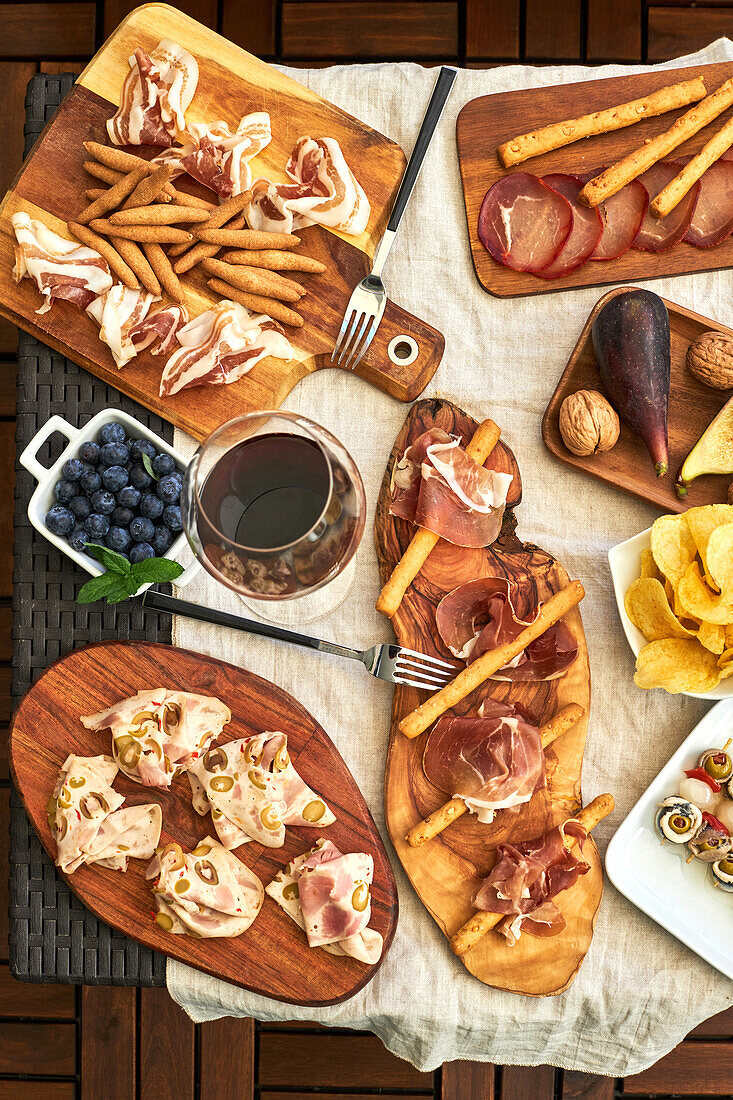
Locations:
600 122
158 215
482 922
231 209
615 177
441 818
688 176
247 238
133 255
116 262
268 284
273 260
191 255
102 172
112 159
161 265
182 198
150 189
112 199
412 725
93 193
423 541
157 234
256 304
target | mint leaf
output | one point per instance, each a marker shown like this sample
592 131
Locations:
110 559
110 586
149 467
118 583
156 570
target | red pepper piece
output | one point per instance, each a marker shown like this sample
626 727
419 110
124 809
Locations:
713 822
700 773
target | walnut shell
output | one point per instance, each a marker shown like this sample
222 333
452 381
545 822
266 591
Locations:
710 358
588 423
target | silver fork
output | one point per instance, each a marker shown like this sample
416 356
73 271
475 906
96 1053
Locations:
394 663
366 305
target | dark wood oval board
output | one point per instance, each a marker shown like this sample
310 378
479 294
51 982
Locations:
446 871
692 406
52 181
490 120
272 957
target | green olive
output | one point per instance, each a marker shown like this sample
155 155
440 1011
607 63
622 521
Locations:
221 783
253 752
215 814
176 851
726 865
201 850
130 754
207 872
164 921
77 781
314 811
64 799
291 891
360 897
718 765
51 805
171 715
257 779
710 845
269 818
680 823
153 745
62 829
282 759
92 803
181 886
143 716
121 743
215 760
124 847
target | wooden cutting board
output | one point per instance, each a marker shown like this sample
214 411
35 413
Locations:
446 871
489 120
232 82
692 406
272 957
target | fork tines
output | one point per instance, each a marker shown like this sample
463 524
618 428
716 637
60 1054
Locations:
421 671
351 334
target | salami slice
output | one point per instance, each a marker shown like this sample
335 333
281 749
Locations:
586 231
712 219
659 234
523 223
621 215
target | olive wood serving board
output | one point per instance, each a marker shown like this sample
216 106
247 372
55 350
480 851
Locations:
232 82
692 405
490 120
446 871
272 957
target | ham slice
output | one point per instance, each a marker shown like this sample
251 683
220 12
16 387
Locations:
586 231
493 762
621 215
155 96
659 234
127 326
59 268
484 614
438 486
157 331
218 157
712 219
523 223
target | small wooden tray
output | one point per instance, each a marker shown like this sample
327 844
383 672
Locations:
692 406
272 957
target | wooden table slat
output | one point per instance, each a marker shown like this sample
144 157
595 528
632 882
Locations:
718 1027
37 1090
405 29
552 30
586 1086
254 31
31 999
108 1047
467 1081
691 1069
203 10
45 1050
4 870
523 1082
673 31
492 28
319 1061
614 30
218 1038
167 1048
48 30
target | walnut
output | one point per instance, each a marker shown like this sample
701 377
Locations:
588 423
710 358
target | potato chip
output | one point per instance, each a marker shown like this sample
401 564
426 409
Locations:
720 559
712 636
647 607
649 566
698 600
726 658
676 664
703 521
673 547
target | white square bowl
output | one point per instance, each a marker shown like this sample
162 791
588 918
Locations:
47 476
624 560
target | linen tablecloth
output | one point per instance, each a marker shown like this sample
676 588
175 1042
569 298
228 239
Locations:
639 991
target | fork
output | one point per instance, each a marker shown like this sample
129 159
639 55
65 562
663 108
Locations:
390 662
366 305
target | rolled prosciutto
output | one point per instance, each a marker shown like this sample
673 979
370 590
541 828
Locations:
438 486
484 614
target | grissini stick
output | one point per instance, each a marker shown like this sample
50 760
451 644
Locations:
160 214
482 922
106 249
111 164
423 541
265 283
415 723
247 238
220 216
151 188
441 818
688 176
558 134
191 255
160 234
182 198
132 254
164 272
112 199
273 260
278 311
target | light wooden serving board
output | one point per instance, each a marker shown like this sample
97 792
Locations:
232 82
692 406
447 871
490 120
272 957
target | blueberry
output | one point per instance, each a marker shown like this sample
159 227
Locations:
73 469
112 433
90 482
64 491
115 478
169 488
96 526
164 464
59 520
151 506
89 452
129 497
103 502
172 518
161 541
118 539
80 506
141 551
139 477
114 454
142 529
122 517
140 447
78 540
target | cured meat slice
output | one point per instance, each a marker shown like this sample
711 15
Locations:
659 234
586 231
493 762
158 330
118 312
621 215
523 223
59 268
155 96
712 218
438 486
485 613
218 157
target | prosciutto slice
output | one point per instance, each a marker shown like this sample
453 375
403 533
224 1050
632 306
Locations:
327 895
87 823
712 219
207 893
155 96
485 613
523 223
659 234
156 734
158 330
59 268
253 791
525 879
220 346
493 762
438 486
118 312
218 157
586 231
621 216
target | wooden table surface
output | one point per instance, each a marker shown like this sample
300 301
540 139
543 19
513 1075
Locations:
103 1043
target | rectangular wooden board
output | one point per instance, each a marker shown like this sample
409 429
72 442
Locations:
489 120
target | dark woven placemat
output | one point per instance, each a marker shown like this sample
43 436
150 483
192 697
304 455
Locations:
52 936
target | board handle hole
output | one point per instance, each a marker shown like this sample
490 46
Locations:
402 350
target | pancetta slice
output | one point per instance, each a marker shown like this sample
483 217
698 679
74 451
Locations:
254 791
87 823
488 612
586 231
207 893
158 330
327 895
156 734
438 486
117 313
220 346
525 879
621 216
712 219
523 223
155 96
659 234
59 268
493 762
218 157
